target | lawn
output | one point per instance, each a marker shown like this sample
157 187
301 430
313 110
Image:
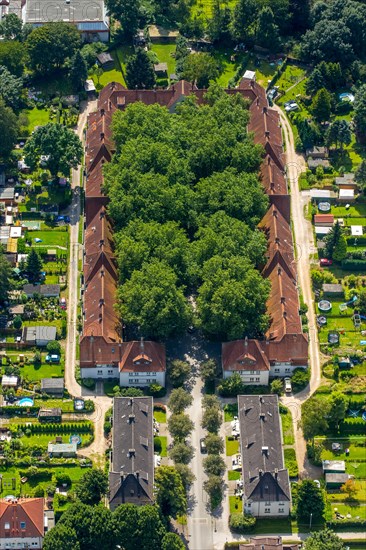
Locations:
163 440
290 77
236 505
113 74
287 429
355 511
357 210
204 7
233 475
43 440
108 386
232 447
230 411
67 405
360 495
45 370
36 117
291 463
53 237
270 526
164 51
160 416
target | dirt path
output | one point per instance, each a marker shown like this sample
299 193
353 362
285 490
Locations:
304 244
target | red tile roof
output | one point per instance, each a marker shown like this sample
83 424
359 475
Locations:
244 355
273 178
324 218
29 511
292 347
143 356
279 235
97 350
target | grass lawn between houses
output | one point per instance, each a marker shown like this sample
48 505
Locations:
287 429
232 447
36 117
164 442
236 505
160 416
233 475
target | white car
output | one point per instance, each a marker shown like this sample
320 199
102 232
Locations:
288 386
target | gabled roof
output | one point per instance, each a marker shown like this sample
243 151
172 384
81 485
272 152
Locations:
283 302
272 177
291 347
264 475
142 356
131 478
99 246
97 350
242 355
279 236
29 511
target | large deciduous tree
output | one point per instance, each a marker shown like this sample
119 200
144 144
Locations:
170 495
127 13
59 144
78 71
338 406
61 537
324 540
140 71
152 300
92 487
8 130
267 30
310 501
314 417
321 105
11 27
50 45
10 88
179 400
200 69
180 426
12 55
244 19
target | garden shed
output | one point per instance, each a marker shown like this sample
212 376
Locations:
332 289
50 415
334 466
105 60
9 381
346 195
161 69
356 230
53 386
62 450
335 481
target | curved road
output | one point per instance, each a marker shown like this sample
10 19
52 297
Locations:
101 402
304 245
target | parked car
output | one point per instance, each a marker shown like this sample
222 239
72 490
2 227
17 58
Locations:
203 446
63 304
52 358
288 385
324 262
65 219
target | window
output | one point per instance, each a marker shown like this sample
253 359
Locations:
110 371
281 504
22 524
267 504
267 510
251 379
130 381
136 380
7 526
287 370
112 350
281 510
249 504
257 379
99 371
277 370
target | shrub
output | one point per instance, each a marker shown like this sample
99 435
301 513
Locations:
156 390
131 392
239 523
300 378
157 445
88 383
107 428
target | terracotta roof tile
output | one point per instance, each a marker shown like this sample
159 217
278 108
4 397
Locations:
278 233
242 355
97 350
142 356
29 511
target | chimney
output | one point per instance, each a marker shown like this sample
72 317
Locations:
257 102
284 314
101 242
272 186
101 136
102 272
275 213
260 472
264 110
101 301
276 474
252 83
100 317
142 344
279 271
102 112
277 240
246 342
283 299
266 133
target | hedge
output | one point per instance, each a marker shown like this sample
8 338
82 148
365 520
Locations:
82 427
351 426
354 265
336 523
19 411
239 523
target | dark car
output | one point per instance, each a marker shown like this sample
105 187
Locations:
203 446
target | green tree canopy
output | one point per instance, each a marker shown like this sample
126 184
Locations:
267 30
179 400
338 406
324 540
59 144
214 465
214 444
34 265
171 541
78 71
12 56
61 537
178 372
10 88
152 300
321 105
140 71
11 27
170 496
232 298
127 13
181 452
92 487
200 68
9 126
310 500
50 45
180 426
360 174
5 274
313 417
360 112
335 243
